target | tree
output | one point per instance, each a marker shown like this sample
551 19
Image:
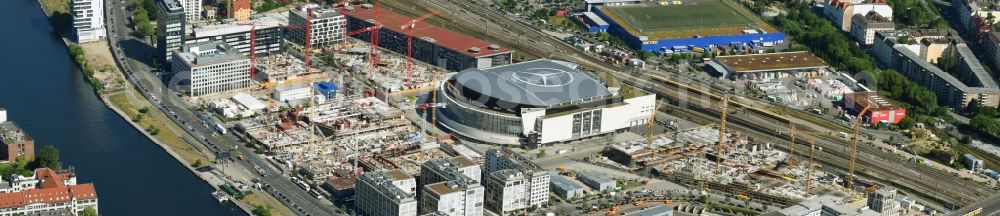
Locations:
48 157
541 153
197 163
89 211
261 210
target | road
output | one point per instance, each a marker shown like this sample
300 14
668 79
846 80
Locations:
130 53
872 162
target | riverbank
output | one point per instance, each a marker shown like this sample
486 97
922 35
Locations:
101 71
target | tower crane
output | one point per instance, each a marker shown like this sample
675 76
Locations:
856 128
372 30
722 133
649 126
409 26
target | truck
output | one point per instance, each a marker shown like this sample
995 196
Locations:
219 128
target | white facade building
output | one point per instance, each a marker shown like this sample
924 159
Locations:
505 190
292 93
390 192
88 20
463 197
214 67
327 26
536 103
46 193
192 9
535 179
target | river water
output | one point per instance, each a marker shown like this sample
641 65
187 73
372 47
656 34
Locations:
44 92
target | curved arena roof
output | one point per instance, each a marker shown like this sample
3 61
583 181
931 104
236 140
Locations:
537 83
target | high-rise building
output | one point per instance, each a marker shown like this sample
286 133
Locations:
192 9
536 179
451 186
88 20
239 10
505 191
883 201
460 197
444 169
214 67
169 29
385 193
46 193
268 35
326 25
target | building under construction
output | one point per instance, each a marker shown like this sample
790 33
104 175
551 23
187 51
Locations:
431 44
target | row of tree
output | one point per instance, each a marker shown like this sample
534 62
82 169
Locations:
141 17
817 35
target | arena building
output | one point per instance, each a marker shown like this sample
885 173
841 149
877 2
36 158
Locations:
689 25
536 103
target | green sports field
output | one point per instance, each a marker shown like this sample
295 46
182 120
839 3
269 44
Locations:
706 17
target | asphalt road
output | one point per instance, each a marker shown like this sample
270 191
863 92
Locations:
131 53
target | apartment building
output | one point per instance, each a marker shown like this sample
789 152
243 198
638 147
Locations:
386 193
88 20
325 27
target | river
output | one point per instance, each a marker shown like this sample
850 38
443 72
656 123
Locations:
45 93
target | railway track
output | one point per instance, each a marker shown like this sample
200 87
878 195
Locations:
939 185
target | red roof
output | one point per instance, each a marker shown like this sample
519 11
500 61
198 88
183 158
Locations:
452 40
52 189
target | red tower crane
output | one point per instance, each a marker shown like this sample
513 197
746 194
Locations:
253 40
372 31
409 26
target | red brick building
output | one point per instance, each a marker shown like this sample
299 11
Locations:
46 193
15 143
880 109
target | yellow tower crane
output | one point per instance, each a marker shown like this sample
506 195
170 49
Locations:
856 127
649 126
722 133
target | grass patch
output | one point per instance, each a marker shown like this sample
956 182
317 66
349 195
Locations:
702 18
157 123
257 199
56 5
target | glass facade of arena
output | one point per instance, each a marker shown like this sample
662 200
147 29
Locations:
481 118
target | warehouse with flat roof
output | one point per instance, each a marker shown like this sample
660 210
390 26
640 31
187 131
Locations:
431 44
770 66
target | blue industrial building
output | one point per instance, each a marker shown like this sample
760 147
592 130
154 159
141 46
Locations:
592 22
327 89
750 38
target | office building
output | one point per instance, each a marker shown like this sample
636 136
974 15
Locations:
213 66
460 197
17 145
267 35
46 193
192 10
386 193
88 20
170 21
444 169
535 191
326 26
451 186
884 201
505 192
432 45
539 102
